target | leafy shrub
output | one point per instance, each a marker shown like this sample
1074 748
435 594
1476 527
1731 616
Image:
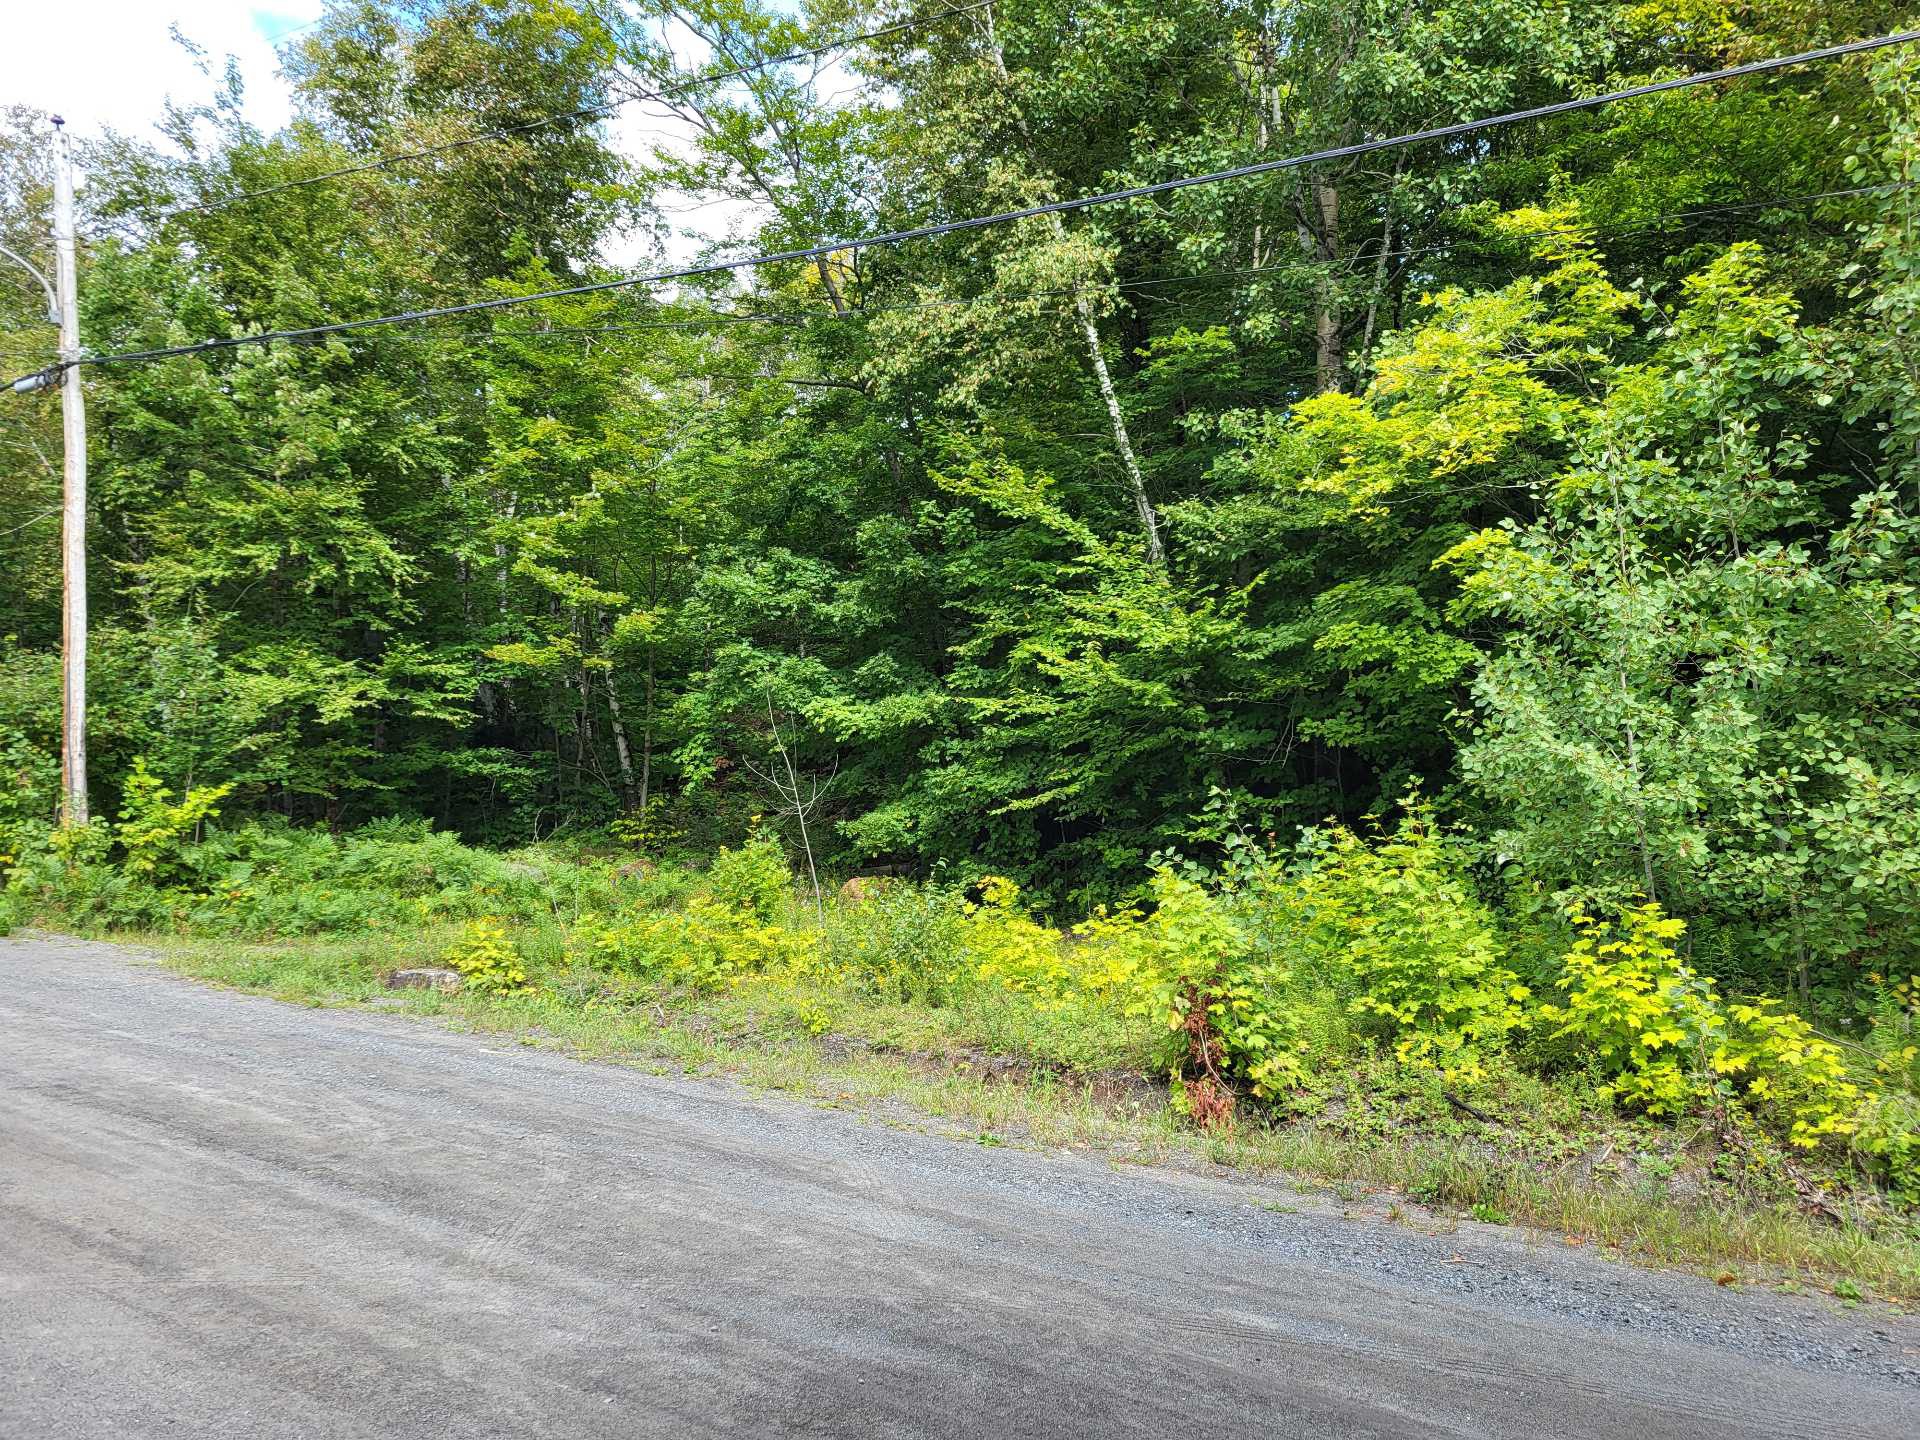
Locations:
487 959
1398 929
1889 1137
154 829
1669 1043
432 865
1191 963
705 945
1787 1069
9 915
1892 1013
904 943
1005 946
651 833
1635 1008
67 871
29 787
753 879
268 877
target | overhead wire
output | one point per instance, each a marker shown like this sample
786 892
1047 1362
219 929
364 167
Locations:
1646 226
901 236
293 30
1055 207
1141 285
715 319
734 377
26 524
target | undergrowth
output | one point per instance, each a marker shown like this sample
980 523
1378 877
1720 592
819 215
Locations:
1350 1011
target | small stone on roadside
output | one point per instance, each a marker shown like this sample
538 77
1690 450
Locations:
425 978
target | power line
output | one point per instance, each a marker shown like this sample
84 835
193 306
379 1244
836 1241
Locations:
718 319
591 112
293 30
45 515
924 232
1614 232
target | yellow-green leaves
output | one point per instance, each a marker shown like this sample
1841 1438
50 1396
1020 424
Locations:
487 958
153 826
1395 921
1671 1043
1479 397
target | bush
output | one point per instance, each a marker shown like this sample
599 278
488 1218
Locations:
153 830
1192 964
1668 1043
1394 925
271 878
29 793
753 879
706 945
67 871
907 943
1889 1138
487 959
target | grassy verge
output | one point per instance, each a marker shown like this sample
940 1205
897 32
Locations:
1526 1150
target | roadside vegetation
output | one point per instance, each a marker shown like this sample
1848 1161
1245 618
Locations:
1344 1010
1400 669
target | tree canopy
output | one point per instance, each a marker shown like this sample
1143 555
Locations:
1565 473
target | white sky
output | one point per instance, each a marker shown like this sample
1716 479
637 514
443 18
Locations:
110 63
104 64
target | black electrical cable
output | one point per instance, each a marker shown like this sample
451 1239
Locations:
721 319
924 232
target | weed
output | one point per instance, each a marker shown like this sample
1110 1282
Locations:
1295 1030
487 959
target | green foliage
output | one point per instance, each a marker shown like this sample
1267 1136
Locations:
1889 1136
550 575
487 959
753 879
1635 1008
1191 964
1703 634
1670 1043
154 829
651 833
1395 924
707 945
905 943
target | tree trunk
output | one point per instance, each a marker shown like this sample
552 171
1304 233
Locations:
646 740
621 750
1136 482
1318 209
1382 267
1090 333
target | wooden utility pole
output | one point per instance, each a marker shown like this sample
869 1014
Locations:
73 529
63 308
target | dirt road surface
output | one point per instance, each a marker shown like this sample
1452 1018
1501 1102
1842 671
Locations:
223 1216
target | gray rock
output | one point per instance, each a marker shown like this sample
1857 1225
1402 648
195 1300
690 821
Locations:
428 977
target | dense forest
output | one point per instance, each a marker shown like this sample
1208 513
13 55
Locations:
1557 480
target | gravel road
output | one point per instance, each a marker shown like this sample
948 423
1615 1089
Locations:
223 1216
